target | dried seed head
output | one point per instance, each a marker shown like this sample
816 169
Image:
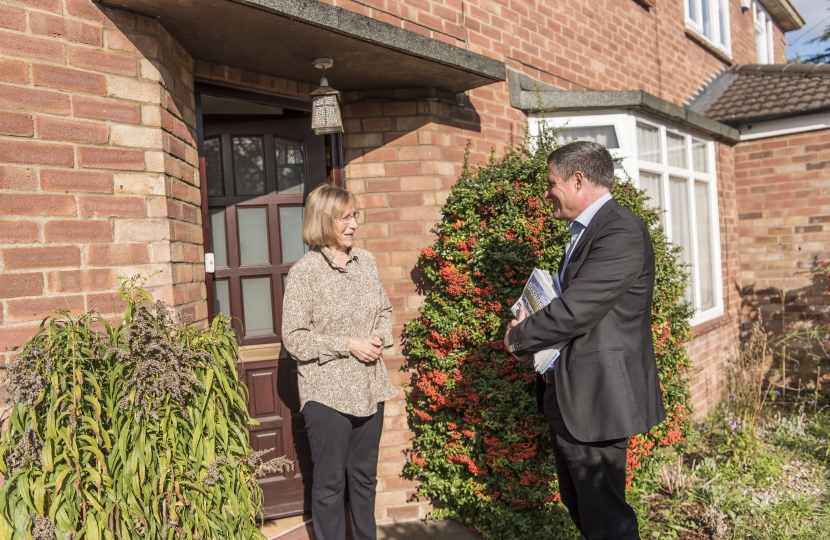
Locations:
27 450
42 528
214 474
254 459
276 465
27 374
279 464
162 367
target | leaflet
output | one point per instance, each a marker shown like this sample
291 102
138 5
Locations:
540 290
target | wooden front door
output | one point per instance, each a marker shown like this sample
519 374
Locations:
258 171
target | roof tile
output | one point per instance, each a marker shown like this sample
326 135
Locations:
755 91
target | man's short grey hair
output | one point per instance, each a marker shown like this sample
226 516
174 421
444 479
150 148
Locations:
591 159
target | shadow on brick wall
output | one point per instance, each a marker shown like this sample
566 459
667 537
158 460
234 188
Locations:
797 322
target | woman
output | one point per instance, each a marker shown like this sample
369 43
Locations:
336 323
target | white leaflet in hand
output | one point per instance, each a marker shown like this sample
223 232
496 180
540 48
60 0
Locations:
540 290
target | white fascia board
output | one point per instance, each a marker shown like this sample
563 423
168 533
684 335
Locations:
784 126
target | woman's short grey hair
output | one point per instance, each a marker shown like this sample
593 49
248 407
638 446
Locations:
324 204
591 159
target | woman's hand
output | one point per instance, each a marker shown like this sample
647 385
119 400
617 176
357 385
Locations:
366 349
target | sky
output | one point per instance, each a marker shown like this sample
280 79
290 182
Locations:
817 15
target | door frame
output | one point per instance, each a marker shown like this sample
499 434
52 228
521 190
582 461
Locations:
335 159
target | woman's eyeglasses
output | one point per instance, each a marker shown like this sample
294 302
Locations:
348 218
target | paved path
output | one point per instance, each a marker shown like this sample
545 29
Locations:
416 530
407 530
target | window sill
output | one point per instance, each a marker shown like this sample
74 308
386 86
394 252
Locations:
704 327
709 47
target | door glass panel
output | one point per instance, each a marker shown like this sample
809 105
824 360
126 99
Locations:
291 226
256 299
705 246
700 163
253 235
248 166
221 297
676 146
604 135
218 242
648 143
290 166
680 225
213 167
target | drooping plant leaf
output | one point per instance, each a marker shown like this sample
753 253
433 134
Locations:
121 431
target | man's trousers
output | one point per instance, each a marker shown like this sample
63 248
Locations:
343 446
591 479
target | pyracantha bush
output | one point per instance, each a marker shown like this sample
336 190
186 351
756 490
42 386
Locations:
129 431
482 450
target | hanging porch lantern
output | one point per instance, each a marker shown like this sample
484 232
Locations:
325 109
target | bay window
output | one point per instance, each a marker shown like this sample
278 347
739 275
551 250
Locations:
677 171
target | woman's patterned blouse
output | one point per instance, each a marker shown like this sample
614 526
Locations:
323 308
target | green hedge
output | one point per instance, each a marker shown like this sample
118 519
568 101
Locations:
481 450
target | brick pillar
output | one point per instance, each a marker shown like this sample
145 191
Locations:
402 156
97 164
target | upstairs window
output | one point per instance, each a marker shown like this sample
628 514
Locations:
710 19
764 49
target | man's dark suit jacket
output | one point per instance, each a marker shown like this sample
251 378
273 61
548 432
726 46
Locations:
606 377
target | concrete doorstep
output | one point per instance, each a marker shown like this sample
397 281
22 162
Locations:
404 530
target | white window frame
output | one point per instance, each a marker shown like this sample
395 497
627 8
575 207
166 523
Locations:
764 43
716 8
625 125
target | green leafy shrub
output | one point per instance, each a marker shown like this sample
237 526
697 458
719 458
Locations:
129 431
481 449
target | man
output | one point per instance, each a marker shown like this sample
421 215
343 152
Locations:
604 386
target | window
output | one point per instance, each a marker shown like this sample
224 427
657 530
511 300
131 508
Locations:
764 49
710 19
677 171
604 135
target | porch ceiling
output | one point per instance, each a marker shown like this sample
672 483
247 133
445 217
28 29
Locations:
282 37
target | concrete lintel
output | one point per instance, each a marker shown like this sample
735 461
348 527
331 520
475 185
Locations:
638 100
281 38
371 30
519 82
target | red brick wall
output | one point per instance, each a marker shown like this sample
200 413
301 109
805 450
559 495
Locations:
576 44
783 188
97 163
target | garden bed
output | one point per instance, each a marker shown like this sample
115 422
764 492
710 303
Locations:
770 482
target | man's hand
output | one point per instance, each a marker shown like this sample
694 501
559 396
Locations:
522 316
366 349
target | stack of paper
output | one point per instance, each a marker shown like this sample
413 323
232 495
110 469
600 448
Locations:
540 290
